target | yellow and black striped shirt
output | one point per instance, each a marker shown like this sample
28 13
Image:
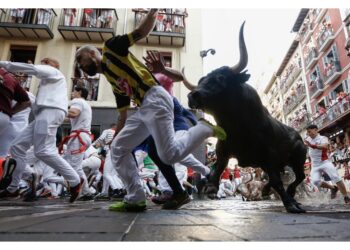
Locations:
128 77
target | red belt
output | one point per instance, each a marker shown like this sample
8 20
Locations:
75 134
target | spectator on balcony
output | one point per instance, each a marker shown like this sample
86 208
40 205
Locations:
89 20
69 16
17 15
105 19
160 25
179 20
168 24
44 16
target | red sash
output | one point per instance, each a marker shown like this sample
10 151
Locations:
75 134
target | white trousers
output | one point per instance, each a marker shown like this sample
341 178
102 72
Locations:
328 168
181 174
4 123
42 134
110 176
155 117
76 160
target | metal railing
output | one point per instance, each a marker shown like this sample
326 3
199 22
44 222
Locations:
295 100
91 84
289 79
299 123
89 18
331 71
312 54
333 112
315 86
324 35
29 16
165 22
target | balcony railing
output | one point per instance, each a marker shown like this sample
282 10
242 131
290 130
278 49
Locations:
170 29
325 38
96 25
333 113
311 58
27 23
309 28
316 88
332 73
300 123
294 102
347 17
289 79
91 84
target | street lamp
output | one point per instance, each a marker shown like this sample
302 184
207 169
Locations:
204 53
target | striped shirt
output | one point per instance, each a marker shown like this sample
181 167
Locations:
129 78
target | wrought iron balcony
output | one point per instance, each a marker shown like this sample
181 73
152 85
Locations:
288 81
27 23
332 73
347 17
300 123
316 88
90 83
170 29
325 39
311 58
333 113
95 25
294 102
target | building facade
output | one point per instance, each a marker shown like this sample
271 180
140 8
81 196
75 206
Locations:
314 75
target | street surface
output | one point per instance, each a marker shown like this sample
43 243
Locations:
229 219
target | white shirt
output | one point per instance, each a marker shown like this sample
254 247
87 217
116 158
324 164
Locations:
318 156
90 151
52 91
83 120
20 120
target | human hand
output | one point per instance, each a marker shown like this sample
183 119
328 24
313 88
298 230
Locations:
154 61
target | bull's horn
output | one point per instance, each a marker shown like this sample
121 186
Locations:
186 82
243 55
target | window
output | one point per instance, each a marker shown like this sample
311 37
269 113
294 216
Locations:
167 56
25 54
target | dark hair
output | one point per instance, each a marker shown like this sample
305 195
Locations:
83 91
312 126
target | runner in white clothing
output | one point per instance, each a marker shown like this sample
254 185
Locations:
49 110
318 146
79 140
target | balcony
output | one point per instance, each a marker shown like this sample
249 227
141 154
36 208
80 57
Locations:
325 39
170 29
288 81
334 113
27 23
319 14
299 123
332 74
309 29
96 25
311 58
294 102
316 88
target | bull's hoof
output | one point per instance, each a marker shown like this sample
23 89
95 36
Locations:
295 209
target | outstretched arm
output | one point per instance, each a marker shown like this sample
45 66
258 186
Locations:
40 71
155 61
146 25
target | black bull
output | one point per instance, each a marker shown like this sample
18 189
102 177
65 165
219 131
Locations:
254 137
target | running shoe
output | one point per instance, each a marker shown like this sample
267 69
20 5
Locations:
124 206
334 192
177 201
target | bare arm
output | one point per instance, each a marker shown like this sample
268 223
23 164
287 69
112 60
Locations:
146 25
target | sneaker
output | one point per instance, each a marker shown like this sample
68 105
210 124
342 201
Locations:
347 200
86 197
75 191
9 166
118 194
334 192
218 131
177 201
6 194
124 206
102 197
162 199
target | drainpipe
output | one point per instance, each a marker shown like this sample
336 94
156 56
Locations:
125 20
